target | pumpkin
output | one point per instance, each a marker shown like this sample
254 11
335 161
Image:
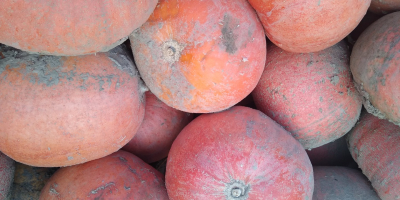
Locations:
160 126
120 175
304 26
73 27
374 145
312 95
60 111
237 154
374 63
200 56
383 7
332 182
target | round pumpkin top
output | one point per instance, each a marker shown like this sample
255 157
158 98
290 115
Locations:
73 27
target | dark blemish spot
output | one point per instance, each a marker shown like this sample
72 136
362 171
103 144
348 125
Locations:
109 80
101 83
127 188
320 110
228 37
122 159
84 77
334 80
249 128
383 81
321 99
310 63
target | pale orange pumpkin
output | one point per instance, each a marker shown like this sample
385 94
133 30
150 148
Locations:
72 27
61 111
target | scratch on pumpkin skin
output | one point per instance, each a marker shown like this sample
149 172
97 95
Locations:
53 190
103 187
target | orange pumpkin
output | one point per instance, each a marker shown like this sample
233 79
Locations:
72 27
120 175
374 145
304 26
60 111
160 126
200 56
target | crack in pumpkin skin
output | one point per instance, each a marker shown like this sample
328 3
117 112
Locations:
220 62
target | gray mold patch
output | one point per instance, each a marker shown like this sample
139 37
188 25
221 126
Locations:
334 80
38 69
228 36
50 71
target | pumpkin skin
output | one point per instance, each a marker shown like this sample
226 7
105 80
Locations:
29 181
311 95
61 111
384 7
74 27
304 26
375 63
7 167
200 56
341 183
120 175
160 126
374 145
241 154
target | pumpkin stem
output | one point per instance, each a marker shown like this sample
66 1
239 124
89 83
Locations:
171 50
237 190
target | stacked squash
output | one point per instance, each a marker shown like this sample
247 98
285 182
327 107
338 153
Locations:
108 89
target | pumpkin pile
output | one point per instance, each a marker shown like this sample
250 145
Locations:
200 99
